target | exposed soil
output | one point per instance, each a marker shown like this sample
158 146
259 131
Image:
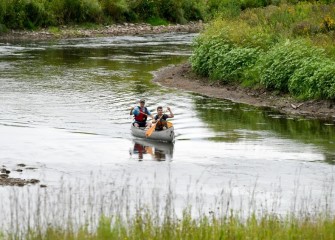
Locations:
182 77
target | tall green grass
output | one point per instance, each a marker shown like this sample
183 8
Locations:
123 211
142 226
284 48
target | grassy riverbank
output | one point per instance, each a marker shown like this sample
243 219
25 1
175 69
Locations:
34 14
285 48
112 211
144 226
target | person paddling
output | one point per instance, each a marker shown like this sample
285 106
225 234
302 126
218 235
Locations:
141 114
161 118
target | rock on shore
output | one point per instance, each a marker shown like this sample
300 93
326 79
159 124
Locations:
112 30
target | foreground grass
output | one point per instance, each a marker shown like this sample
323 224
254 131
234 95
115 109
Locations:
143 226
135 211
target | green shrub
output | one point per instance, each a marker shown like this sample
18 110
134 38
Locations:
206 53
78 11
302 84
193 10
314 80
226 8
325 77
115 9
254 3
218 59
36 14
172 11
280 62
2 11
145 9
15 15
230 66
92 11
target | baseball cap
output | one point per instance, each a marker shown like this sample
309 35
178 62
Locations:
142 100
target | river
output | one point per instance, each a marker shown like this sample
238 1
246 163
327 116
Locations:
64 114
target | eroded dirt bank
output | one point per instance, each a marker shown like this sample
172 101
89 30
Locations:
182 77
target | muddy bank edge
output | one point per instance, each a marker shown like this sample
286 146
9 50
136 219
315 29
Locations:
181 77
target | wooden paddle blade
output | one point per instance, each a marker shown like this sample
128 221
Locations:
150 130
149 150
169 124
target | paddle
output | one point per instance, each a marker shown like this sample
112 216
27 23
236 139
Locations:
152 128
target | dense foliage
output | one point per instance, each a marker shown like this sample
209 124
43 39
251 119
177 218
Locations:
284 48
30 14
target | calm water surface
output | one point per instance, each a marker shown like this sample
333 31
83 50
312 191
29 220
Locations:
64 113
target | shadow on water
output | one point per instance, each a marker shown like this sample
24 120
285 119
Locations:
143 149
233 122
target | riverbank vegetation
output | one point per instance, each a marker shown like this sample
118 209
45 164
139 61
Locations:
287 48
143 226
32 14
134 211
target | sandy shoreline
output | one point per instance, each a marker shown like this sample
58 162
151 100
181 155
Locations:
181 77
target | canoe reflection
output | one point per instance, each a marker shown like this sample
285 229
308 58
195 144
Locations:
146 150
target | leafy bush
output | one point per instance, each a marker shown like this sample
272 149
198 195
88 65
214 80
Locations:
226 8
193 10
91 11
36 14
279 63
254 3
302 84
145 9
205 54
78 10
219 59
15 15
2 11
325 77
230 65
172 11
314 80
115 9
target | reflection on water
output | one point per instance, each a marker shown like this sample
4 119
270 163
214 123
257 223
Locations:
64 109
145 150
233 122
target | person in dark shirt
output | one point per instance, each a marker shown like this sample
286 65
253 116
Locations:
160 118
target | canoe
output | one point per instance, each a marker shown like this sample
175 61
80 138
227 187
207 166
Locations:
166 135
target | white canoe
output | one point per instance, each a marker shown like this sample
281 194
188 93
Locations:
166 135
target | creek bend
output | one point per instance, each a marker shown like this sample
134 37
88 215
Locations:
64 114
